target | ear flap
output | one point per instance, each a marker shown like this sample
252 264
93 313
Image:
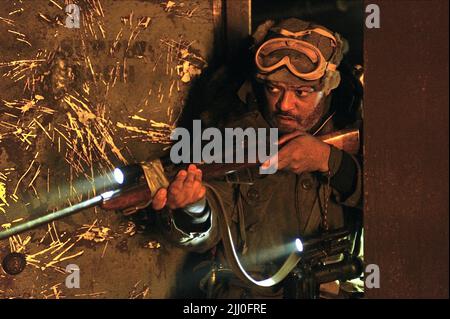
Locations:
341 49
261 32
331 81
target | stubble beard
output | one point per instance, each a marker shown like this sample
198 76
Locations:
297 123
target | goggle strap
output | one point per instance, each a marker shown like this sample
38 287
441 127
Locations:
320 31
331 66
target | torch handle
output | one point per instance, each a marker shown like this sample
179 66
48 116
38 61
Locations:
130 200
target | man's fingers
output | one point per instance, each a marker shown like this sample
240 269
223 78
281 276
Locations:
160 199
270 162
181 176
190 178
175 192
177 184
197 191
186 188
284 158
198 175
202 192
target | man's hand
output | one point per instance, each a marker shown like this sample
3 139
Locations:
186 189
301 152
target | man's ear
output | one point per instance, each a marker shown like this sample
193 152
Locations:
332 80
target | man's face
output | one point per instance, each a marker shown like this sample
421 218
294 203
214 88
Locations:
291 108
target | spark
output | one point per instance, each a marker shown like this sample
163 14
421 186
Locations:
7 21
43 129
26 172
135 294
38 170
94 294
3 199
32 62
72 256
104 249
44 17
43 259
21 69
169 5
16 11
144 22
154 135
137 117
17 33
56 4
24 41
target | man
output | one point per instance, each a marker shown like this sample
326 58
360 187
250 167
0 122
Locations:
291 89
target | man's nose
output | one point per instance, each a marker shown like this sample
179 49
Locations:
286 101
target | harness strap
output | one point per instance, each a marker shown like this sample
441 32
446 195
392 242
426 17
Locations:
233 258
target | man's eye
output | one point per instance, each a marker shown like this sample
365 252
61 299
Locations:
272 89
302 93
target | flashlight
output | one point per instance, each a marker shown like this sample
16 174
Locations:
127 175
299 245
118 176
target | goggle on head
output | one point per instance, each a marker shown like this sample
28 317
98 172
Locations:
271 49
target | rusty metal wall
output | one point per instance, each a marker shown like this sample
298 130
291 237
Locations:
74 103
406 149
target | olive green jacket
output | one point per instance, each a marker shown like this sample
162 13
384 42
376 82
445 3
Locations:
268 211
